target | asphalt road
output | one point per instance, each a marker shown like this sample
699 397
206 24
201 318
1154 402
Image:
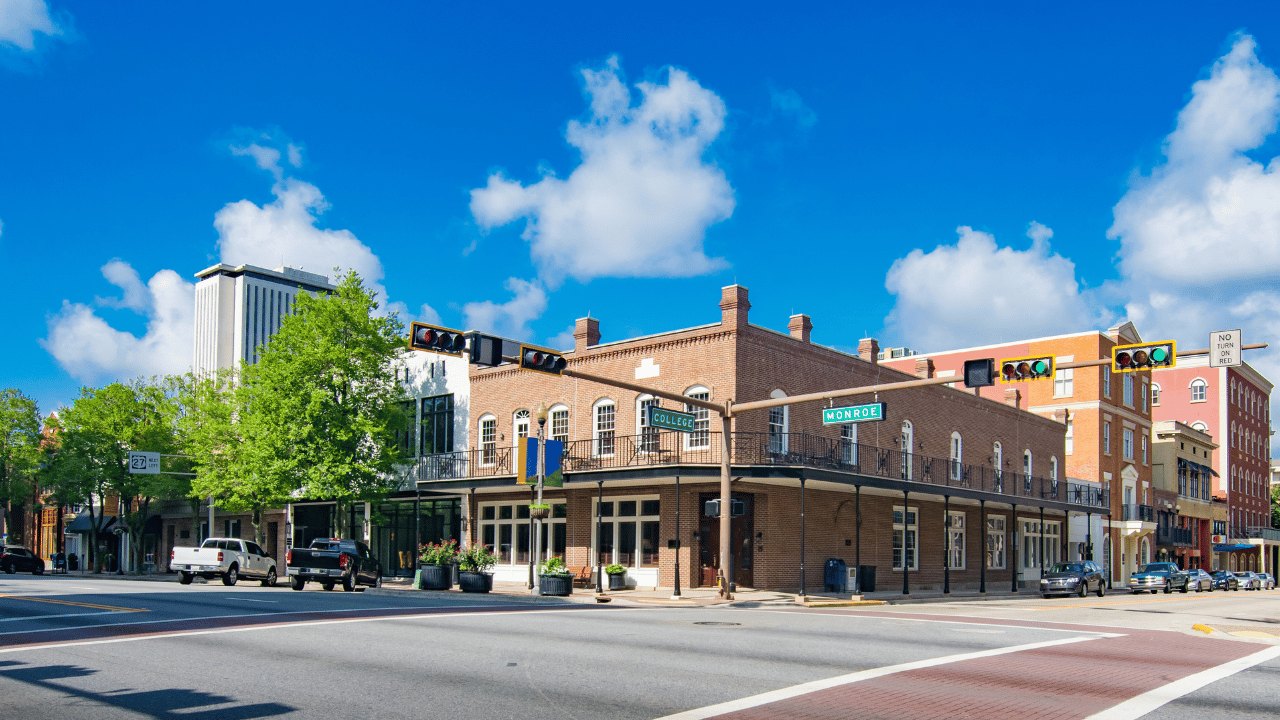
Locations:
73 647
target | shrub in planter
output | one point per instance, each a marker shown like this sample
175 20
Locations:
554 578
473 565
434 560
617 576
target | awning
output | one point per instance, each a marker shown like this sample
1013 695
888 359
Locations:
1205 469
83 523
1233 548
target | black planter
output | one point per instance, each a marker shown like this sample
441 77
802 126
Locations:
475 582
435 577
618 581
555 584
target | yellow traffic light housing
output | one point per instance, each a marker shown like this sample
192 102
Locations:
542 360
430 338
1144 356
1038 367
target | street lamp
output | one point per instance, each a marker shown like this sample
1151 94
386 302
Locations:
541 415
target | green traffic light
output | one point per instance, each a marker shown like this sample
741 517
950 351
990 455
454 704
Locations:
1040 367
1159 355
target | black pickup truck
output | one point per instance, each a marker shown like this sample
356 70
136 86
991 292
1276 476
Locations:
330 561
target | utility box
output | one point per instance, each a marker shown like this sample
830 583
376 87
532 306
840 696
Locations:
835 576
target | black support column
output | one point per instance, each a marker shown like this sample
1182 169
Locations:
946 545
906 561
982 568
1013 551
802 595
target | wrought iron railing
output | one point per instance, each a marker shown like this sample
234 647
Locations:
1265 533
1141 513
1167 535
612 452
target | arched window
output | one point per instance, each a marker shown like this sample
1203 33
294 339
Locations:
1026 463
1199 390
701 435
648 434
1200 426
1145 553
604 423
997 458
957 448
1155 393
779 419
488 426
559 416
1053 471
520 425
907 441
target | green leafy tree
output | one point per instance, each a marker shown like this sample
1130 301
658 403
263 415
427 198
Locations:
20 442
1275 506
324 407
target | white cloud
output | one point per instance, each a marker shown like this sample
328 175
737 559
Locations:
975 292
643 197
788 102
564 339
1200 235
91 350
509 319
267 158
20 20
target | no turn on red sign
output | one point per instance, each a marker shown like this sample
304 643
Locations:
1224 348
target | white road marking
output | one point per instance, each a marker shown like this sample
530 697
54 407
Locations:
1140 705
904 620
286 626
50 617
273 602
809 687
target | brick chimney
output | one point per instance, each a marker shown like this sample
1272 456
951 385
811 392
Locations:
800 327
586 333
924 367
869 350
733 307
1013 396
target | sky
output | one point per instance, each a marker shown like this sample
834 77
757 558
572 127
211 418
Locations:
930 175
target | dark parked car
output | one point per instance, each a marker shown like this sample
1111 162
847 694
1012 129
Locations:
1158 576
1073 578
1225 580
15 558
1249 580
330 561
1199 580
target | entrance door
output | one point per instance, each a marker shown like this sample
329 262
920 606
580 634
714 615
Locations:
741 537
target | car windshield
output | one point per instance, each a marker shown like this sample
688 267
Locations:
1067 568
1220 573
1157 567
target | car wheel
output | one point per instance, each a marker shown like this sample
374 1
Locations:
1168 588
8 569
296 582
37 571
270 579
1045 595
327 586
1084 587
184 578
377 581
349 583
232 576
1102 588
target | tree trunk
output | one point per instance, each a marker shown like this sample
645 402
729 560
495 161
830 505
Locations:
256 519
195 520
93 536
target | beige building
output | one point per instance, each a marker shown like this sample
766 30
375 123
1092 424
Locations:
1182 470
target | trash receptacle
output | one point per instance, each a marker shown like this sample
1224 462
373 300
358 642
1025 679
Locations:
834 575
73 562
866 578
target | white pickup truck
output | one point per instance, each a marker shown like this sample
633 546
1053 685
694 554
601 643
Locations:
227 558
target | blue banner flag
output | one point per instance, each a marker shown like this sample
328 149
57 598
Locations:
527 462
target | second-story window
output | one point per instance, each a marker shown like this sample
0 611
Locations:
1198 390
957 446
1070 445
605 425
488 440
648 433
520 424
1143 396
1128 444
1106 437
1064 382
437 425
1128 390
1155 394
560 424
701 435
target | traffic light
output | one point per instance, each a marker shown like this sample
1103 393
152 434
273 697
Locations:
430 338
1144 356
1030 368
541 359
737 508
980 372
484 349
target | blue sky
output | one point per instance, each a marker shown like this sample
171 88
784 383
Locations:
931 176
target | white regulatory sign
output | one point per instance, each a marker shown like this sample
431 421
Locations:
1224 348
144 463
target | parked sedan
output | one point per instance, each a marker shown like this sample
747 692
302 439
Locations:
1158 576
1225 580
1074 578
1249 580
15 558
1199 580
1268 582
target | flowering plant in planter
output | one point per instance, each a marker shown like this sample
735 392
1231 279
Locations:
615 569
477 558
554 566
438 553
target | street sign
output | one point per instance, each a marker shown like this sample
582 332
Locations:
1224 348
856 413
670 419
144 463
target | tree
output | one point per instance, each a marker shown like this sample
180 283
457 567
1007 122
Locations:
220 432
323 403
1275 506
20 442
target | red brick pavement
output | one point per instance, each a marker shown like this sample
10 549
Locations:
1059 682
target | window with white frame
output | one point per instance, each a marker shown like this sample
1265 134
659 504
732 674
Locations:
1106 381
1053 470
1127 446
955 540
1032 533
1199 390
1070 445
504 529
957 447
1128 389
560 423
629 531
1155 394
488 440
1026 463
1106 437
904 537
604 425
849 443
997 459
995 542
1064 383
1234 396
520 425
1145 449
701 435
1143 395
778 417
907 440
648 434
1200 426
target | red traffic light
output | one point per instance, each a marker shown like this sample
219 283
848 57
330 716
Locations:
1143 356
542 360
1032 368
430 338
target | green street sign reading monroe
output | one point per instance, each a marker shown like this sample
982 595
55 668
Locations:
670 419
856 413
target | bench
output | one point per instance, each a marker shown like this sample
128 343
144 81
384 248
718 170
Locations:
583 577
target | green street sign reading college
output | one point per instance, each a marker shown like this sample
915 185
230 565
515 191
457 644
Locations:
856 413
670 419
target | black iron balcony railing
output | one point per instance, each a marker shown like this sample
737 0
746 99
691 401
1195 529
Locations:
1260 531
1166 535
612 452
1142 513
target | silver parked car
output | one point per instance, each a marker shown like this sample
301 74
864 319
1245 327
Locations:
1199 580
1249 580
1268 582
